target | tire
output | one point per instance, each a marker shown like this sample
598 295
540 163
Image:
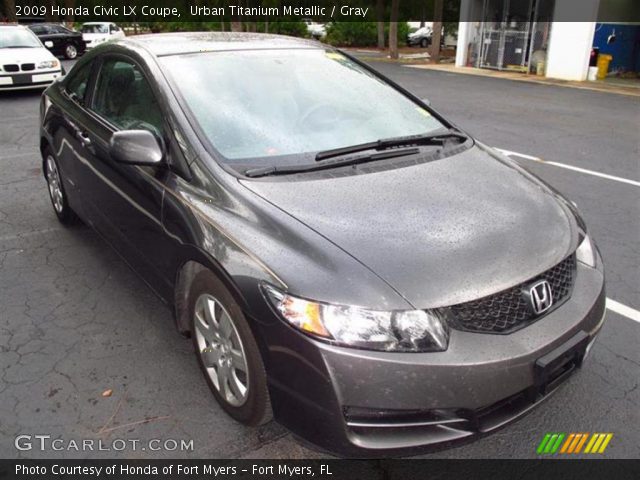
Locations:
57 193
424 43
70 51
220 340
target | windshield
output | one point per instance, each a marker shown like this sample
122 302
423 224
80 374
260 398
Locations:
18 38
267 107
95 28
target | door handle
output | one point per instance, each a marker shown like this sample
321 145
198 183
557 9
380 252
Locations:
84 139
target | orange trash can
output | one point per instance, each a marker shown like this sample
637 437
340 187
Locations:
603 65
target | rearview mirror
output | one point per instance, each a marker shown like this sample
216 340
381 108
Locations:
48 44
136 147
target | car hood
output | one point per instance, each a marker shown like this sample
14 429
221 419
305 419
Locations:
439 233
24 55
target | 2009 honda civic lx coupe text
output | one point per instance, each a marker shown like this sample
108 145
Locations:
344 258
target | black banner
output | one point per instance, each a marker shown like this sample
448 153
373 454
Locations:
321 469
617 11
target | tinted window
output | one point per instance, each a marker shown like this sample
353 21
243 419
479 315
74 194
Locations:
283 103
77 83
39 29
95 28
124 97
58 29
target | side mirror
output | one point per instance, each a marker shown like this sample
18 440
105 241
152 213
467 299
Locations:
136 147
426 101
48 44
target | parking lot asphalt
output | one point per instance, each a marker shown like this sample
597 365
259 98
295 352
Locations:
76 322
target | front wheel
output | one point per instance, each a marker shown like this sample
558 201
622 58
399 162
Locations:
227 352
70 52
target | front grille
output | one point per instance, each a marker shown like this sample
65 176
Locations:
12 67
27 67
508 310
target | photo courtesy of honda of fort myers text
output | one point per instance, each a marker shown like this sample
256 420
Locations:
361 239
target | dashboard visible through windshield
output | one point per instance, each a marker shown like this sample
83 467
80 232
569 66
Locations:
280 107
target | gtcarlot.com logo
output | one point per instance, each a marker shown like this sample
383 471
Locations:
48 443
574 443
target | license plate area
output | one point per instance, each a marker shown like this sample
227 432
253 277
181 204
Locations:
553 368
22 79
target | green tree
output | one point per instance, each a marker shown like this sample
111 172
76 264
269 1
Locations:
9 10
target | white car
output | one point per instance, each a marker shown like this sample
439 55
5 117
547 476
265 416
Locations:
315 29
24 61
95 33
421 37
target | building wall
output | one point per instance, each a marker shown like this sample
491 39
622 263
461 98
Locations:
467 31
625 50
569 50
569 45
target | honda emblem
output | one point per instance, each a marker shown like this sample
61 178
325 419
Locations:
540 296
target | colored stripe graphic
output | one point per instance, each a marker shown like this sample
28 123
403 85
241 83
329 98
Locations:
543 443
554 449
606 441
583 439
573 443
550 443
592 440
568 442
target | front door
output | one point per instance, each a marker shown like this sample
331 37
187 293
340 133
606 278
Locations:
124 201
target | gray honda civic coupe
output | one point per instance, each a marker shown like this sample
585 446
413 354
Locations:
344 258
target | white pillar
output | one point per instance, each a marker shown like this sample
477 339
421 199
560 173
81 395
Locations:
569 50
571 42
462 46
463 33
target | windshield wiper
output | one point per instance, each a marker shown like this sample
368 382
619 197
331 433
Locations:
353 160
431 139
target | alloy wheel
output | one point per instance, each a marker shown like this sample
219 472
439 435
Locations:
70 52
55 185
221 350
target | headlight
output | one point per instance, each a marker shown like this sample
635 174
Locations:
586 252
397 331
49 64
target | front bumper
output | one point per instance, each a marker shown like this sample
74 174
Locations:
89 44
415 41
363 403
26 80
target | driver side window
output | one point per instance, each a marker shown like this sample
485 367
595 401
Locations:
124 97
77 83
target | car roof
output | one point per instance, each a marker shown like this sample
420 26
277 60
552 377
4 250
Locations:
97 23
161 44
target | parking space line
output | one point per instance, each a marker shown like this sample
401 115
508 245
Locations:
570 167
623 310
